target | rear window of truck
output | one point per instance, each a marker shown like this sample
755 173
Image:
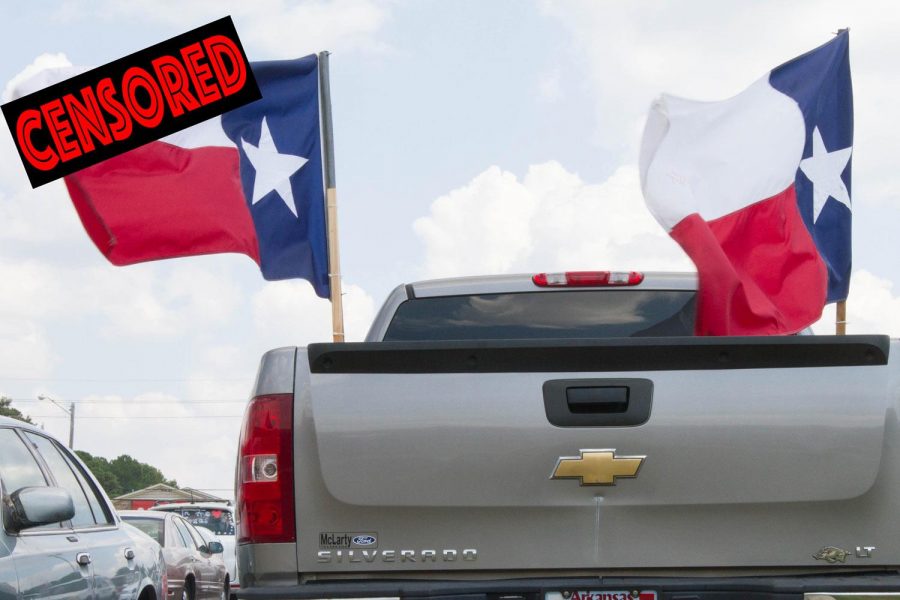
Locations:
545 315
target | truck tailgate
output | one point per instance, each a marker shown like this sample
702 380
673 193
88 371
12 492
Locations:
759 430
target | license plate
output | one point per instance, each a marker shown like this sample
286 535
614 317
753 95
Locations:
602 595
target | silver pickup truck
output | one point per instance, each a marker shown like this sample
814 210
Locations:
564 437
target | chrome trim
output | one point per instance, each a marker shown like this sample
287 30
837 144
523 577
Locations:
97 529
68 530
61 530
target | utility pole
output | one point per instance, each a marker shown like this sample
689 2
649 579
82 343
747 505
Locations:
71 425
69 411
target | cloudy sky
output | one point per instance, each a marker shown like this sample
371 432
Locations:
471 137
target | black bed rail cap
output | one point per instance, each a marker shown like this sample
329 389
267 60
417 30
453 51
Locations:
607 355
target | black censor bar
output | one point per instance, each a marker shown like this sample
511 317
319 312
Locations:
131 101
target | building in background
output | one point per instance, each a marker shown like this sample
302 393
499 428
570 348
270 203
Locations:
160 493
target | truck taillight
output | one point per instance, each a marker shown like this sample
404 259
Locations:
265 473
588 279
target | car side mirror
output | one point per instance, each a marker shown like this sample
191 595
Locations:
35 506
215 547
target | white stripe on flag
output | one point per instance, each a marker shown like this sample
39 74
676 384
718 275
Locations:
714 158
207 133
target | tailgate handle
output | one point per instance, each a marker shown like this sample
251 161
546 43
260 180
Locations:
598 402
593 400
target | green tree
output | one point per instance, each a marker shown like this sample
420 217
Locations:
6 410
102 470
123 474
135 475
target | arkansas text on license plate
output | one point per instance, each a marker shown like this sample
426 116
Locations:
603 595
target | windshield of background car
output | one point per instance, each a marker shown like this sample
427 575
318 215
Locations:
545 315
217 520
153 527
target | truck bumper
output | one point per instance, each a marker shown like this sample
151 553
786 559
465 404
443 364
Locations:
869 586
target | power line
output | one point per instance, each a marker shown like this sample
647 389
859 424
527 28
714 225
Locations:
139 402
125 380
81 418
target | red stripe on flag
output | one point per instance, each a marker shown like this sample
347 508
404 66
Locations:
163 201
759 270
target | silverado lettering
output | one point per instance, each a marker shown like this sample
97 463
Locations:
357 556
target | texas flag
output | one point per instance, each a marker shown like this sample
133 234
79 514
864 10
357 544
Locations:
249 181
756 189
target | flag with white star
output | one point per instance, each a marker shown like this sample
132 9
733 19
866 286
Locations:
281 170
249 181
756 190
819 81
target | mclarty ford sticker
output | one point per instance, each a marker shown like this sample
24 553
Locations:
348 539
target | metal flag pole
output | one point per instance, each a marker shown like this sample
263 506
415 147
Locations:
840 318
334 257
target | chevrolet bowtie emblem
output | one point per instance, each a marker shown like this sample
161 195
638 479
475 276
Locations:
597 467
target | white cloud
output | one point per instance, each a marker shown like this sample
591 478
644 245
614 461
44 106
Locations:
151 300
268 28
25 351
36 217
872 307
549 87
146 300
30 216
132 303
482 227
550 220
224 372
288 313
33 289
40 65
297 29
